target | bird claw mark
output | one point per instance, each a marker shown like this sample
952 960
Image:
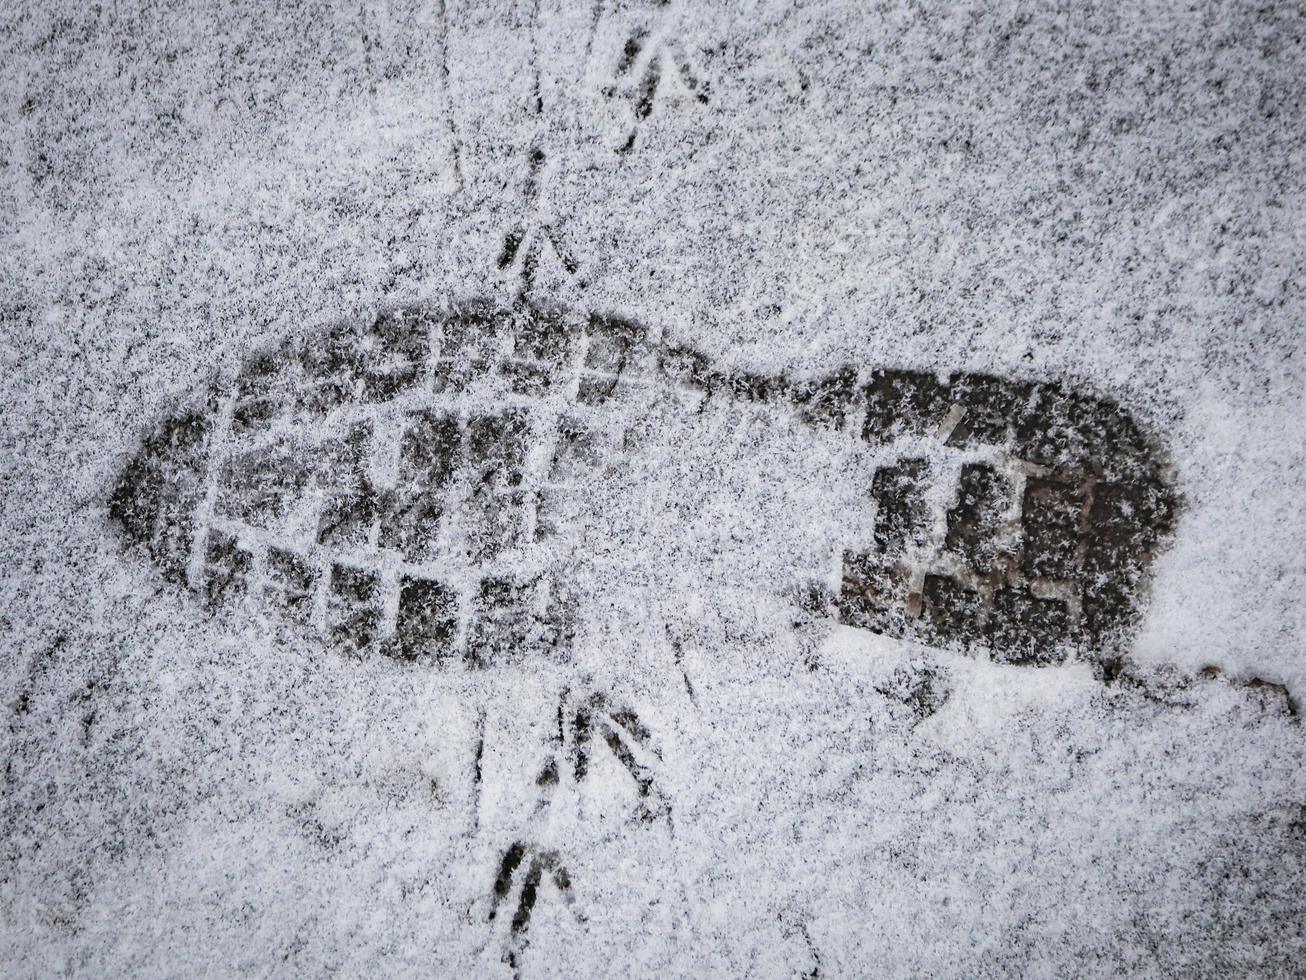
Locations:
523 248
620 729
543 866
578 725
643 93
511 243
585 722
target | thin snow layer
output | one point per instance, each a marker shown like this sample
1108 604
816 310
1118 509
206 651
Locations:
1111 196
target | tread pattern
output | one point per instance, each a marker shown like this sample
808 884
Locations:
412 517
1025 526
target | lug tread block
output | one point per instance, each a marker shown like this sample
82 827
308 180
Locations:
951 613
397 349
473 335
427 621
544 338
332 369
557 627
136 498
501 626
1108 605
526 378
354 607
1126 521
260 485
262 392
495 523
549 513
428 450
1026 629
260 375
170 545
496 446
344 459
874 593
983 498
576 453
991 406
1050 519
1046 432
595 391
904 402
255 415
457 376
226 567
160 489
292 579
409 522
472 343
351 503
902 517
347 516
1114 446
516 620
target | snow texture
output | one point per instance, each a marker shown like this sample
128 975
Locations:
715 781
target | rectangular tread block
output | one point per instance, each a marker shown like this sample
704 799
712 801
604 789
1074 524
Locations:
874 593
1045 430
1027 629
429 449
292 580
901 517
501 622
1126 520
494 523
409 522
904 402
576 454
973 525
158 492
397 349
545 338
1050 519
596 389
259 486
991 406
354 607
496 446
528 377
951 612
428 620
226 567
332 368
347 516
472 335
